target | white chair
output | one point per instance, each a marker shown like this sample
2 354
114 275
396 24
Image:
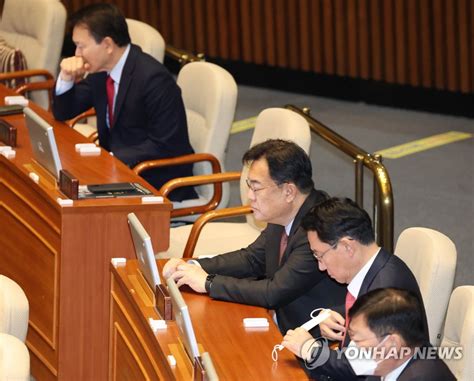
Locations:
148 38
151 42
431 256
459 332
14 309
209 94
36 27
14 359
221 237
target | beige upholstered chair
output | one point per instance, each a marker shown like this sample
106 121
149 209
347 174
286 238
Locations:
14 359
151 42
431 256
36 27
459 332
222 237
209 95
14 309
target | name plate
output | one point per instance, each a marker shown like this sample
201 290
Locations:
8 133
68 184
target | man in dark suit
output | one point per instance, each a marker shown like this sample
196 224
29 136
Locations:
342 240
140 113
386 330
270 272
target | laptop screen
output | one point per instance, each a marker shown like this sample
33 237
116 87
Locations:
42 139
144 251
183 320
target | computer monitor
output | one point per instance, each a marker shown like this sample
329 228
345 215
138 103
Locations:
42 139
183 320
144 251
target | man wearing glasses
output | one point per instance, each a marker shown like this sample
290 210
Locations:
277 271
342 240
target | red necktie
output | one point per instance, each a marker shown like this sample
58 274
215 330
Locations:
283 244
350 299
109 85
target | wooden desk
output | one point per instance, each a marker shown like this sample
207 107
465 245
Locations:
60 255
136 353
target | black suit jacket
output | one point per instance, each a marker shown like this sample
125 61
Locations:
426 370
150 121
293 288
387 271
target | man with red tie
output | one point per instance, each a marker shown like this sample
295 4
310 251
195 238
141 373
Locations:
140 112
342 240
277 271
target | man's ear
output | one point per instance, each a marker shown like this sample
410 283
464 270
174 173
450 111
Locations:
290 191
108 44
348 244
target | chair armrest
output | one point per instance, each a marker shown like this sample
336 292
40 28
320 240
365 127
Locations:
26 74
215 178
86 114
207 217
46 84
187 159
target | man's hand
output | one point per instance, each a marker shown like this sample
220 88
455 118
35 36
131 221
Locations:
171 266
333 327
192 275
294 340
73 69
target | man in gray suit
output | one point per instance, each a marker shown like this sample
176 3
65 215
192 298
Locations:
270 272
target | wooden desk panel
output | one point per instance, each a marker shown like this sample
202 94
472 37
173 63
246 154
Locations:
60 255
238 353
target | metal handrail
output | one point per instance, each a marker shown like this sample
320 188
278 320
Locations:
182 56
383 195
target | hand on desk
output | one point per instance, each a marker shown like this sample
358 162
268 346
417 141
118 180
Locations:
170 267
191 275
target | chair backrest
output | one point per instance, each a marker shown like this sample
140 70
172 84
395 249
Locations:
431 256
209 94
275 123
14 359
459 332
14 309
148 38
36 27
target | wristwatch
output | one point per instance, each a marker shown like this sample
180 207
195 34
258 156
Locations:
209 280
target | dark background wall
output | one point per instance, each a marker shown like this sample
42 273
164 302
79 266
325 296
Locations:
364 49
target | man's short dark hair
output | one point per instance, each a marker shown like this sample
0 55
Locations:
102 20
392 310
336 218
287 162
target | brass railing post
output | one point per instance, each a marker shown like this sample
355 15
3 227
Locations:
383 196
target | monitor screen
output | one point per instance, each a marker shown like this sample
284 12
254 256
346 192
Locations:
183 320
42 139
144 251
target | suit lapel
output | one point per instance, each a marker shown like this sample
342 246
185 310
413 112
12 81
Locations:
273 247
125 81
378 264
311 200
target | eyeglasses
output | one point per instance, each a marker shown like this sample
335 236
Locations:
255 190
321 255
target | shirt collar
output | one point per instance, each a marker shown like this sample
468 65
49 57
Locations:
393 375
116 72
288 227
356 283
